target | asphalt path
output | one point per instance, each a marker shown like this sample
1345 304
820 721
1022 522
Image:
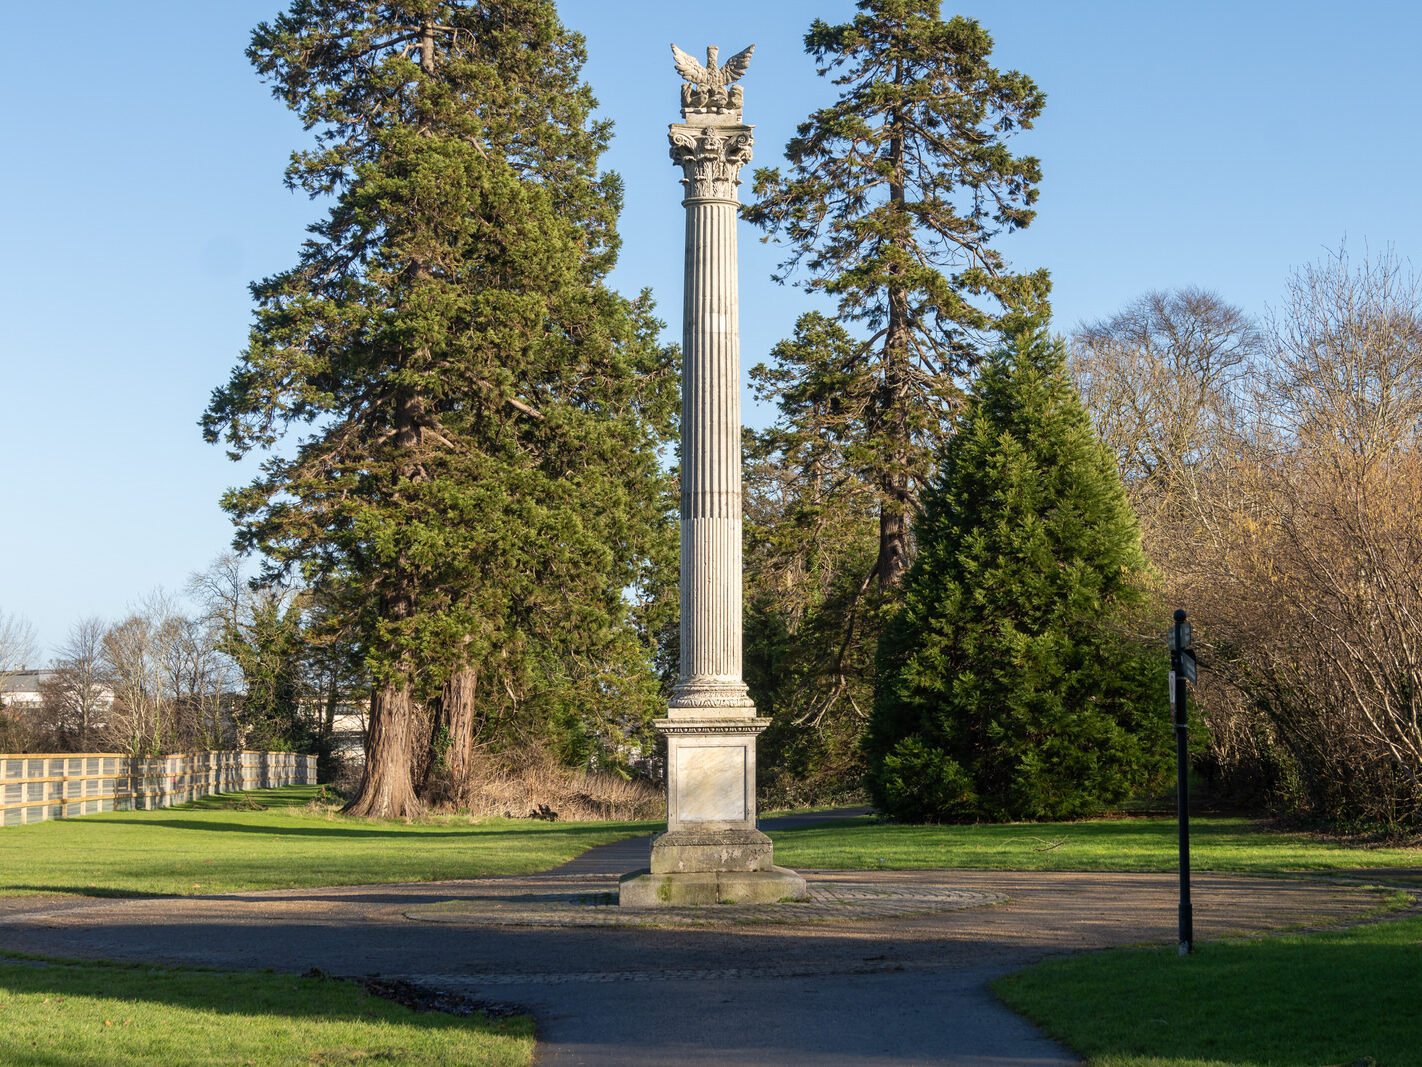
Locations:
890 991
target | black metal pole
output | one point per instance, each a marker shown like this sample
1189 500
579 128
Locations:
1182 784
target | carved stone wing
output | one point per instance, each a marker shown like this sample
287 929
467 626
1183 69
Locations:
735 68
690 69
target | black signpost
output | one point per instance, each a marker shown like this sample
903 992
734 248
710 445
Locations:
1182 668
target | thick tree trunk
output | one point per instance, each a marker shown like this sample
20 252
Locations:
448 778
897 502
427 46
893 533
387 790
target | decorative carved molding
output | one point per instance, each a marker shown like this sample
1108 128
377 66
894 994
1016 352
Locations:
712 158
720 727
697 693
710 700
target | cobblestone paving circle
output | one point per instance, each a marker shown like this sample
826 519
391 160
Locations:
492 904
477 982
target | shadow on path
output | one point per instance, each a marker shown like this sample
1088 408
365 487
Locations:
619 857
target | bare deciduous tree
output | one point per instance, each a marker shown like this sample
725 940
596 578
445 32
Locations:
201 683
140 666
1307 554
256 627
1348 358
1164 382
18 649
1338 505
75 700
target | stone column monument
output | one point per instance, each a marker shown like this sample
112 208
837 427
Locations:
711 851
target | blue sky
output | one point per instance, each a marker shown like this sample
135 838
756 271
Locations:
1209 144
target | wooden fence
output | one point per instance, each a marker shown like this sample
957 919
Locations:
60 785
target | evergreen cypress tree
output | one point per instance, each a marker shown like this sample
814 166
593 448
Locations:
479 482
1010 685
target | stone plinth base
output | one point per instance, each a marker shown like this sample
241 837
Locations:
708 851
711 852
643 889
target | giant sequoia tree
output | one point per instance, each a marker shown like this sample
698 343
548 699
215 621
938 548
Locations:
894 195
1013 680
476 481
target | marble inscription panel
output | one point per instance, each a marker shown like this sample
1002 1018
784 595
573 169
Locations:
711 783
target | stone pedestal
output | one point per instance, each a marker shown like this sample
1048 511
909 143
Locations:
711 851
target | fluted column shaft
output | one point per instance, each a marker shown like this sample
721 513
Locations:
710 675
711 463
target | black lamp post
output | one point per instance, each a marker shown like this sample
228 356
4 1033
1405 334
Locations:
1182 668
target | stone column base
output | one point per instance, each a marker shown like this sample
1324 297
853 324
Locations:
711 852
643 889
700 851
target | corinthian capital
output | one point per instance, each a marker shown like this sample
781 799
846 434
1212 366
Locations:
712 158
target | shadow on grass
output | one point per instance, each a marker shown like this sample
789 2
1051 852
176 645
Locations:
251 996
482 833
259 799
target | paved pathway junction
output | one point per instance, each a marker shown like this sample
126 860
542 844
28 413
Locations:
905 986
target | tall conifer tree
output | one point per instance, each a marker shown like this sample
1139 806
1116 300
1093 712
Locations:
1013 681
891 206
894 195
479 481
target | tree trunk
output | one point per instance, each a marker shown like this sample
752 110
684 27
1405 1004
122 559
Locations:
893 533
427 45
387 790
450 767
328 720
896 503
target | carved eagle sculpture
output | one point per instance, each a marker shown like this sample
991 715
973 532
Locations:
707 87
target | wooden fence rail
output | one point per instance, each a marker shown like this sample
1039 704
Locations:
62 785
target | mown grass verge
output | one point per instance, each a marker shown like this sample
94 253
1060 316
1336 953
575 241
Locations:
1337 997
113 1014
1137 844
277 839
293 838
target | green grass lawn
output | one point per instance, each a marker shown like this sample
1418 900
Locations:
290 838
1337 997
104 1014
1141 844
275 839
